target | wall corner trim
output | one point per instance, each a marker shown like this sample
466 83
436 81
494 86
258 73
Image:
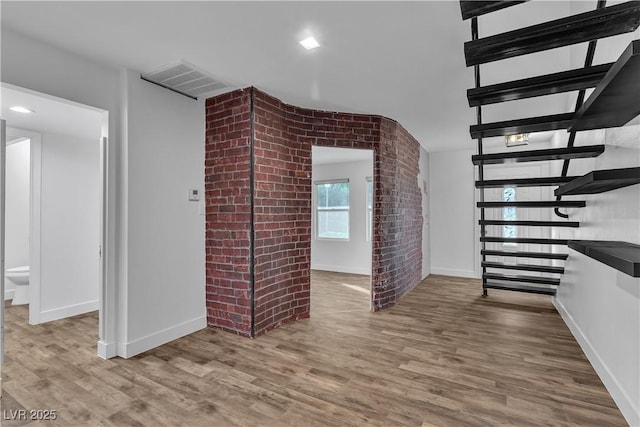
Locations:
107 350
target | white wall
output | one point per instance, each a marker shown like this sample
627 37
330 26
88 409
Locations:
600 304
423 183
69 226
166 285
17 198
154 288
354 255
453 237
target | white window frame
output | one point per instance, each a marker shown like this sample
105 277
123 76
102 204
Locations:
318 209
369 210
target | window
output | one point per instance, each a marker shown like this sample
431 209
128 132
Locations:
332 209
369 208
509 213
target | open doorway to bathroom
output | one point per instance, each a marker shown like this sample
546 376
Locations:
342 226
55 204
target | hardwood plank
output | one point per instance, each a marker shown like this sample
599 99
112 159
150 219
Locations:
429 360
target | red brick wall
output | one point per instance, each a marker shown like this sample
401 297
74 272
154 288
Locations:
228 212
283 137
282 209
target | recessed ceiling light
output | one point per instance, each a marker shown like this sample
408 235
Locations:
309 43
21 109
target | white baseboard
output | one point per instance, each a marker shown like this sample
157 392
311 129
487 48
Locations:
164 336
629 409
341 269
452 272
107 350
9 293
68 311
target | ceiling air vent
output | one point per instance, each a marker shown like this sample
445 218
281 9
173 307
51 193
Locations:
183 78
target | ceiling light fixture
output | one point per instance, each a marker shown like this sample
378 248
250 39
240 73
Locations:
21 109
515 140
309 43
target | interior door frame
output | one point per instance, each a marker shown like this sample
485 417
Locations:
106 294
3 162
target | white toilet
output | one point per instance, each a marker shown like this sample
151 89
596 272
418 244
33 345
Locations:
20 277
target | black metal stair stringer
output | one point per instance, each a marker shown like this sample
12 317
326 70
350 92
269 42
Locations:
588 61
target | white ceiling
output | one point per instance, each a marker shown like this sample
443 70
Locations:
403 60
51 115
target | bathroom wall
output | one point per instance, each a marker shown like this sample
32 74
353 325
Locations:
69 226
17 213
353 255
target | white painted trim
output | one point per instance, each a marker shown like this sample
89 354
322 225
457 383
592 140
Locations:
629 409
68 311
9 294
341 269
456 273
35 277
161 337
107 350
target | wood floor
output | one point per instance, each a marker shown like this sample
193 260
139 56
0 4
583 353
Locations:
442 356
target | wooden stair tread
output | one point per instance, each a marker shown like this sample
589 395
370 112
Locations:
523 223
538 155
522 278
565 81
472 9
528 125
535 204
525 182
583 27
520 288
524 267
534 240
525 254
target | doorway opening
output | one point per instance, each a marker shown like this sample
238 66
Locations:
54 230
342 229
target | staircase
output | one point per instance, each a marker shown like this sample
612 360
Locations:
616 88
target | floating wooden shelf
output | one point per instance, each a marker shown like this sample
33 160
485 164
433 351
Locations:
622 256
526 182
536 204
538 155
471 9
521 254
593 25
600 181
581 78
615 101
513 127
